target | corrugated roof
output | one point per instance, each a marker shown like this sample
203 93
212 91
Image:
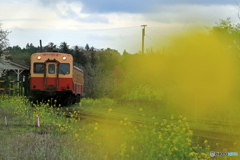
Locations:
78 69
23 66
15 65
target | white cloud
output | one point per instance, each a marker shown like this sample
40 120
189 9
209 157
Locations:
192 13
58 21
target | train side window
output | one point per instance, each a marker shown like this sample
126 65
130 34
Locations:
51 68
38 68
64 68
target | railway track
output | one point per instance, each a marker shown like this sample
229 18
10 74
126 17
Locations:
215 124
212 135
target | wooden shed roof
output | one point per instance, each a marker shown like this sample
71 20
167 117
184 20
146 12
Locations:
14 65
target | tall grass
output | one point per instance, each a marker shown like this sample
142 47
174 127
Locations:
61 138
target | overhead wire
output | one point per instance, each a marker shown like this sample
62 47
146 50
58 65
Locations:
156 32
79 30
151 39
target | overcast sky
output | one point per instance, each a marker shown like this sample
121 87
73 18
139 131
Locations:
112 24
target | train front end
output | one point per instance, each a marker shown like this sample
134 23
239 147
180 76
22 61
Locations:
51 75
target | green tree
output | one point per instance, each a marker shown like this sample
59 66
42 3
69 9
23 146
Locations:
51 47
97 82
93 56
22 55
27 46
32 49
16 48
109 58
87 47
225 30
64 48
79 56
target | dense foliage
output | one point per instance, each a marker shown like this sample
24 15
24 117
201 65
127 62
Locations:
58 137
108 73
197 75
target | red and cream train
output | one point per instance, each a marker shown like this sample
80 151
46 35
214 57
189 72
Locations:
54 76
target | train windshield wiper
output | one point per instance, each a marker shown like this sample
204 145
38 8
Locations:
62 72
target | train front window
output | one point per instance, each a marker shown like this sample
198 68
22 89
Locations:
38 68
51 68
64 68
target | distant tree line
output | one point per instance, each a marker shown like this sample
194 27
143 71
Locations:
109 73
96 63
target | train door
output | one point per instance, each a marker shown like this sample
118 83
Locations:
51 76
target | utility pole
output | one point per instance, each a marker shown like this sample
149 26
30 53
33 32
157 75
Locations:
143 34
40 46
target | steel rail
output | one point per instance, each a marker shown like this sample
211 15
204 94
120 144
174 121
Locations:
197 132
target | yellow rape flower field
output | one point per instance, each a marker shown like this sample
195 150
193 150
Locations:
59 137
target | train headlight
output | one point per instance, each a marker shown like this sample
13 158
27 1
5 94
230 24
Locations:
39 57
64 58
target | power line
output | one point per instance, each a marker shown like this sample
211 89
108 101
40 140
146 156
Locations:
151 39
157 32
124 27
93 29
105 29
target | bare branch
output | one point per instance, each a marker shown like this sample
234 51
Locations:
3 38
238 8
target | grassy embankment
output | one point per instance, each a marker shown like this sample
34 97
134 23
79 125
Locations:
161 107
61 138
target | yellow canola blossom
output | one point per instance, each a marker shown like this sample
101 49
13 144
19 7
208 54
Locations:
205 142
191 154
204 155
